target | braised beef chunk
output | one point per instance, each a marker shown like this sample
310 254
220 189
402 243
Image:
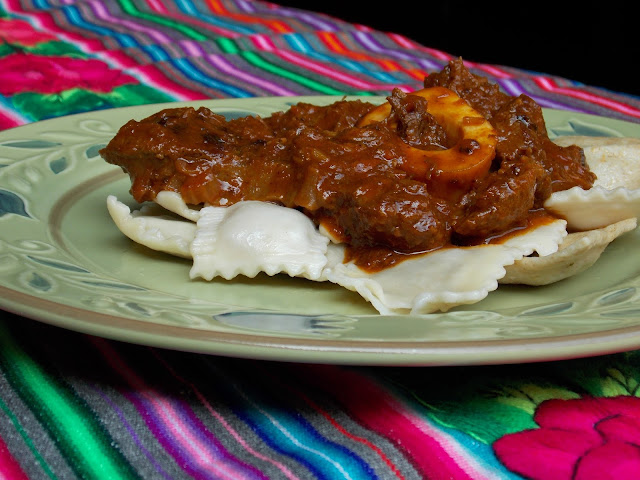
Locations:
520 125
483 95
503 199
317 159
415 124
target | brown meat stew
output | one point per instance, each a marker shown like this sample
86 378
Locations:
350 178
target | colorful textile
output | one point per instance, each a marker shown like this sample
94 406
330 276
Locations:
77 406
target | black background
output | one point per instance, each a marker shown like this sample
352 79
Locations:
597 44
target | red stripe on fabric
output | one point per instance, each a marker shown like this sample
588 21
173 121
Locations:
275 25
375 408
357 438
362 28
47 23
7 121
551 85
153 76
156 78
411 45
9 466
351 436
334 44
331 40
119 58
159 8
264 43
493 70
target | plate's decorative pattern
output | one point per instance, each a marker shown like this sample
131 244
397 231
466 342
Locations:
59 246
579 126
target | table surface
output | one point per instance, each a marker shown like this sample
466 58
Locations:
73 405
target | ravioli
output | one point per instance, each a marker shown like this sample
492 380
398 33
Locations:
444 278
250 237
596 217
243 239
578 252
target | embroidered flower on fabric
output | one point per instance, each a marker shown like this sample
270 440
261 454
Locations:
21 72
579 439
22 33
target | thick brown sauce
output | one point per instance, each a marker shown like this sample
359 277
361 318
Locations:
355 179
375 259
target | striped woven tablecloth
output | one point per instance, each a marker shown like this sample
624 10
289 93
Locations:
78 406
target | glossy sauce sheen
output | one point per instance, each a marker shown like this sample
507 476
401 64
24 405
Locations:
359 180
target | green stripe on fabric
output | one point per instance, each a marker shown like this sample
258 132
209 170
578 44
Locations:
229 46
80 438
50 48
259 62
39 106
27 440
129 8
55 48
6 49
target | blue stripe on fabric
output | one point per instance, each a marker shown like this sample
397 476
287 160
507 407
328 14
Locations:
74 16
291 435
7 104
295 437
157 53
300 44
187 7
194 74
481 452
41 4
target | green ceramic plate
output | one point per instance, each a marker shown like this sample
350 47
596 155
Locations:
63 262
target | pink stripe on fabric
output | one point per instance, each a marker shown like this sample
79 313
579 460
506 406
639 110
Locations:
234 433
431 451
168 415
102 13
157 6
152 76
492 70
262 42
9 466
411 45
265 44
9 120
551 86
229 69
47 24
117 59
191 48
363 28
372 43
192 21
